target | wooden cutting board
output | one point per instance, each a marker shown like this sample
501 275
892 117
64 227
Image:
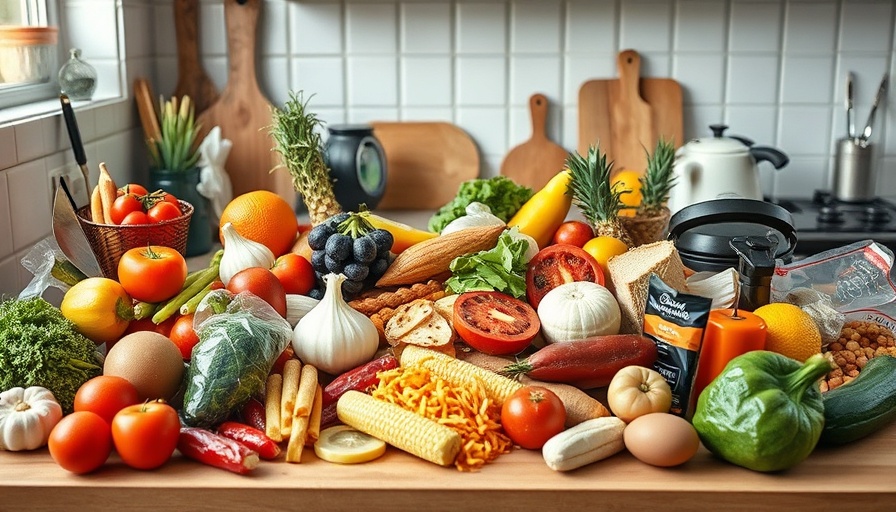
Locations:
425 163
244 113
192 79
628 114
537 160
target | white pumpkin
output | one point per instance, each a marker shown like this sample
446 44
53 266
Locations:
578 310
27 415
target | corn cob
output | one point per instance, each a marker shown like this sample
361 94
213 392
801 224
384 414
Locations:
402 429
497 387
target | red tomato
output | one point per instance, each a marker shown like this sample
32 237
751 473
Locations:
559 264
135 218
152 274
495 323
81 442
106 395
284 356
169 198
183 335
262 283
145 435
573 232
295 273
532 415
124 205
162 211
132 188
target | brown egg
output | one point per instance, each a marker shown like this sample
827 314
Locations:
150 361
661 439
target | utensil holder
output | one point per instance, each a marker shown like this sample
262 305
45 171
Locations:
854 177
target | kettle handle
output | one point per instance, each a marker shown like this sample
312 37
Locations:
770 154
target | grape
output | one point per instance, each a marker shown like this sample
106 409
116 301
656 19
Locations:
317 237
351 288
356 271
339 247
318 262
364 249
333 265
378 267
316 293
337 219
383 240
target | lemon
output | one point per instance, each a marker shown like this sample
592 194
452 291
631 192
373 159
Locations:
628 180
99 307
790 331
603 248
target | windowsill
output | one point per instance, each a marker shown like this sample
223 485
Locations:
40 109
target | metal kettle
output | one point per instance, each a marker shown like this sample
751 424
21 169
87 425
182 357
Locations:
720 167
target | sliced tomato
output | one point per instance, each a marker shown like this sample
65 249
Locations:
559 264
495 323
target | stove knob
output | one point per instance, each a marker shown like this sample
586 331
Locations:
830 215
876 215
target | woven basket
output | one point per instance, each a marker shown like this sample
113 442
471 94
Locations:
110 242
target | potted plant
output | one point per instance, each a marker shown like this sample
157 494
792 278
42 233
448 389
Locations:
175 157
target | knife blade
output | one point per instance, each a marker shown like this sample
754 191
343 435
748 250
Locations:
74 135
850 117
866 133
69 235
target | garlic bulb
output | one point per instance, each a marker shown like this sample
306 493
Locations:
241 253
333 336
297 306
478 214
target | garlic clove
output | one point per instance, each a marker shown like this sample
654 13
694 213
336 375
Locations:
241 253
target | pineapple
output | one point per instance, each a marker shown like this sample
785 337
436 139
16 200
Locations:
296 137
658 180
651 219
592 193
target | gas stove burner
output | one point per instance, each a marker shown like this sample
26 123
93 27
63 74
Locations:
823 222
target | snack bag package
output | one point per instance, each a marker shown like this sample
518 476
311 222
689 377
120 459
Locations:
240 338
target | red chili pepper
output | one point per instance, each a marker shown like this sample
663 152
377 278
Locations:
215 450
253 414
255 439
358 379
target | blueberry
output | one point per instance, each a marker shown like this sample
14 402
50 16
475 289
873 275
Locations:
333 265
350 288
318 262
317 237
378 267
339 247
316 293
356 271
383 240
364 249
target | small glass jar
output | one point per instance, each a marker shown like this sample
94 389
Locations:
77 79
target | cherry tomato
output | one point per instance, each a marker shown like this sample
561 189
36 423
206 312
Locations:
495 323
559 264
573 232
124 205
184 336
162 211
132 188
262 283
106 395
169 198
145 435
532 415
152 274
135 218
284 356
81 442
295 273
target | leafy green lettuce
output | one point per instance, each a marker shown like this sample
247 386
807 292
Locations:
499 193
501 269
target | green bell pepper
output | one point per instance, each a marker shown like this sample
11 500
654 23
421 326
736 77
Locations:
764 411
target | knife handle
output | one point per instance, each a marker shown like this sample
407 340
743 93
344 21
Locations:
74 134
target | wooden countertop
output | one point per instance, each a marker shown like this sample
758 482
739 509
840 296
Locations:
854 477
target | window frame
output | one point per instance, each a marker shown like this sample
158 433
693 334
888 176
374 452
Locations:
38 13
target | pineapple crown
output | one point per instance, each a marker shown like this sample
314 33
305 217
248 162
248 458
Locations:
178 148
659 179
590 185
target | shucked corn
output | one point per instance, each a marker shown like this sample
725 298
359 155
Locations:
400 428
497 387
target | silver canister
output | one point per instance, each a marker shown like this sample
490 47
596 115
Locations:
854 178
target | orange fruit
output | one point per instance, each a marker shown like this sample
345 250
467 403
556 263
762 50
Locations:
264 217
603 248
628 180
790 331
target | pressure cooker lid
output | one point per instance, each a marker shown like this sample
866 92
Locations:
702 231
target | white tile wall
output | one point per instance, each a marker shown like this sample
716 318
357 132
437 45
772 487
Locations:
772 69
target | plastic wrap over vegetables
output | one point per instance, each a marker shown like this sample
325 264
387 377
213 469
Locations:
240 338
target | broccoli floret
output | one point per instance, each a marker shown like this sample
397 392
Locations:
40 347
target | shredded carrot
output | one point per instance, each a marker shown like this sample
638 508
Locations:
465 409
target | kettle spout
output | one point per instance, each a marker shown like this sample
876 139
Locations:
769 154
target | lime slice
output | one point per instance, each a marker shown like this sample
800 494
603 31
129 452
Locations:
345 445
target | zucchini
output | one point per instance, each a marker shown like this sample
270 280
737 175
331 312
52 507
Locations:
863 406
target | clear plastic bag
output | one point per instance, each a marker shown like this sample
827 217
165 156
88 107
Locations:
40 260
240 338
